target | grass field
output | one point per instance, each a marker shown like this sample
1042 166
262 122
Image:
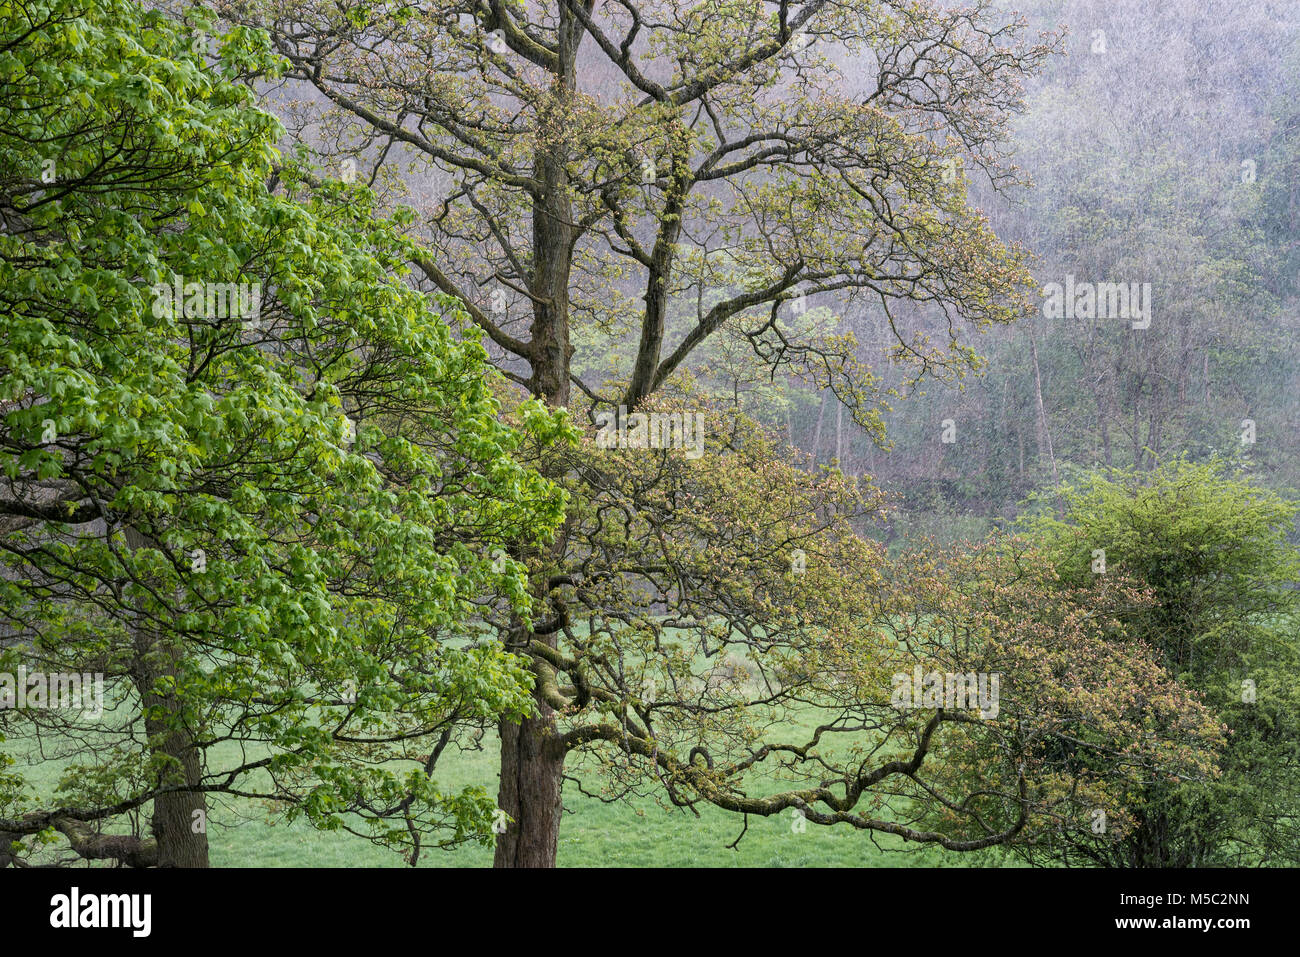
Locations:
638 833
593 833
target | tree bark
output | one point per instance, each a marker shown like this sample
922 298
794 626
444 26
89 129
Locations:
532 771
554 232
180 832
124 849
532 757
179 817
658 294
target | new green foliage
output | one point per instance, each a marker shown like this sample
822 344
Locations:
247 473
1213 548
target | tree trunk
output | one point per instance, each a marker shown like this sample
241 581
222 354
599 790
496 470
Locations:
839 435
1044 432
817 433
553 239
532 758
179 817
532 761
555 230
532 769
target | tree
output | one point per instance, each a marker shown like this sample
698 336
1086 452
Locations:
673 174
1213 549
730 638
251 481
1137 178
703 154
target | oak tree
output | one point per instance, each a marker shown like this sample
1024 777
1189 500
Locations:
678 173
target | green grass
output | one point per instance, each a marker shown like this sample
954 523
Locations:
635 833
639 833
593 833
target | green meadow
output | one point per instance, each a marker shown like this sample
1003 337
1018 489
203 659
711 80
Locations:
594 833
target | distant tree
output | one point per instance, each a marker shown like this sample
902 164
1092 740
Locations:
1138 179
1213 549
246 472
1280 181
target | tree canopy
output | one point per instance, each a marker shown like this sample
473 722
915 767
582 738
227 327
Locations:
751 176
250 477
382 381
1213 549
